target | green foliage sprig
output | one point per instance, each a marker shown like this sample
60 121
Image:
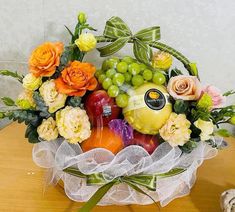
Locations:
12 74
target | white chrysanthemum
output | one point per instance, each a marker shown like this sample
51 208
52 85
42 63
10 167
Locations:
206 127
31 82
52 98
73 124
48 130
176 130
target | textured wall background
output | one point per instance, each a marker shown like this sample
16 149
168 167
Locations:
202 30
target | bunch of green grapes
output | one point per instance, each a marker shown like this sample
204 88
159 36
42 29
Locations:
116 73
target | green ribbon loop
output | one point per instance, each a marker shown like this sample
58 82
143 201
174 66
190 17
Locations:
118 33
117 29
147 181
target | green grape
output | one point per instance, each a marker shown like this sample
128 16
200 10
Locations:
112 62
127 76
113 91
122 67
101 78
128 59
137 80
134 68
105 65
159 78
106 83
142 67
98 73
110 72
122 100
147 74
118 79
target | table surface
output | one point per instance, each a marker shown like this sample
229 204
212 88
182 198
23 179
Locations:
21 182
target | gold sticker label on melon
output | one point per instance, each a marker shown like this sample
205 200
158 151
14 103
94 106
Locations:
153 98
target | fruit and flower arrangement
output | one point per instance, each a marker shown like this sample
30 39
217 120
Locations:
133 130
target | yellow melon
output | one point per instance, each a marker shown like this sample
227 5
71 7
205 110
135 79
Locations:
148 108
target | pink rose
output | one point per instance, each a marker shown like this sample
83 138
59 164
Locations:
217 98
184 87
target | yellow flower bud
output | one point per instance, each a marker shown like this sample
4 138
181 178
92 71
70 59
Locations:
86 42
232 120
162 60
31 82
48 130
25 100
82 18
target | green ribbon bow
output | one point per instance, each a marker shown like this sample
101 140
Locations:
119 34
134 181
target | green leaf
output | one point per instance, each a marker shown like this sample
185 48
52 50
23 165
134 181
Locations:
189 146
142 51
193 68
69 31
2 115
12 74
98 195
33 136
223 133
150 34
40 104
74 101
113 47
228 93
27 116
8 101
175 72
181 106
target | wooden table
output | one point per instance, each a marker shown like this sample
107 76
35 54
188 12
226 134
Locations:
21 182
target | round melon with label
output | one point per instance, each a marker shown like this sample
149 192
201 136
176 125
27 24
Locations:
148 108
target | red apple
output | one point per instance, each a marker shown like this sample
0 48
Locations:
148 142
101 108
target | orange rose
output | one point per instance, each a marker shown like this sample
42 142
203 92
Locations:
45 58
76 79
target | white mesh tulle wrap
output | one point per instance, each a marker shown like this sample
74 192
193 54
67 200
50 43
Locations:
58 155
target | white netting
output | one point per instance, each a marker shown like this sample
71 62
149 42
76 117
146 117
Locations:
58 155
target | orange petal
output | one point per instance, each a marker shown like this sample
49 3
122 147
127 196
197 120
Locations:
62 87
92 84
78 93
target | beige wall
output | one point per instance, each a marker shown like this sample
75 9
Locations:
203 30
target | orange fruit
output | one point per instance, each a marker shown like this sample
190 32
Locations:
103 138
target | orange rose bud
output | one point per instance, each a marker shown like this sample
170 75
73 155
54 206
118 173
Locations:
45 58
76 79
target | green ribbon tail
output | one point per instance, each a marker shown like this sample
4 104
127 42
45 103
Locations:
75 172
135 187
97 196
